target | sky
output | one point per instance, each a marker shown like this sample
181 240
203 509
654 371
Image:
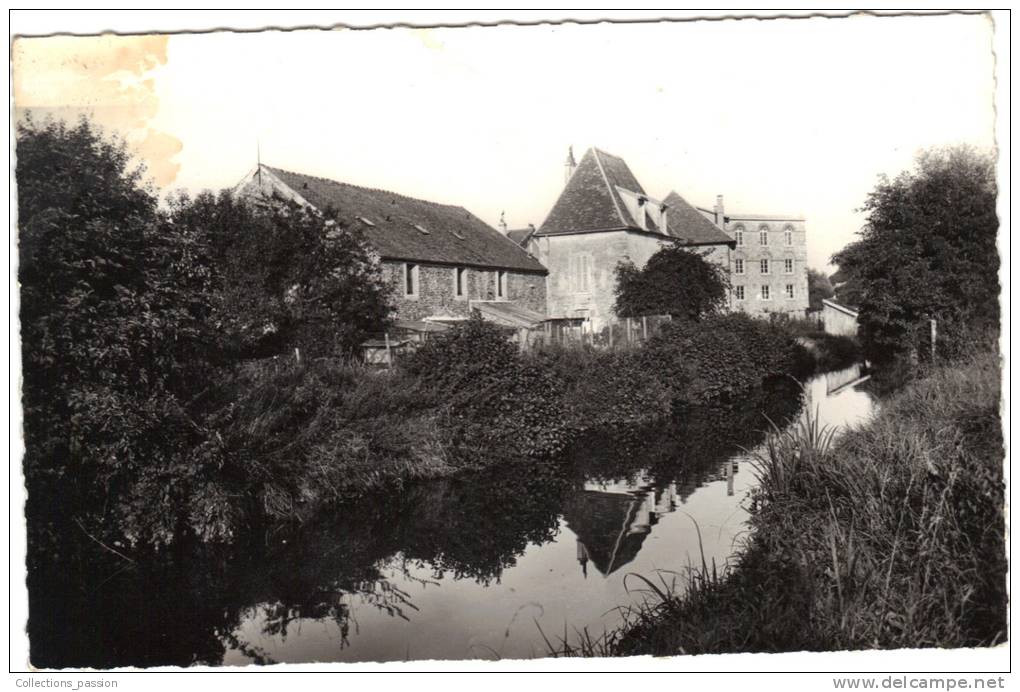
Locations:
780 116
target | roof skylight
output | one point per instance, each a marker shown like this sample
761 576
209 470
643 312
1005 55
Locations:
421 229
365 221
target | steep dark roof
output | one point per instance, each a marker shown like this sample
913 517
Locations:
689 225
590 201
521 236
454 235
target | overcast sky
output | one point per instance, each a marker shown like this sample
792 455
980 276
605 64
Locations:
779 116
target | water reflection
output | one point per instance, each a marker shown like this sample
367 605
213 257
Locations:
452 569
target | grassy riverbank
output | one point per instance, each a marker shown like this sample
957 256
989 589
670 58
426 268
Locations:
891 537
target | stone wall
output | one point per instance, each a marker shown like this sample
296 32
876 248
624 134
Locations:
560 254
436 294
776 252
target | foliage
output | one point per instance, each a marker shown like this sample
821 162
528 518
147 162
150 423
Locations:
927 251
114 299
891 536
134 321
819 289
676 281
286 277
495 398
719 358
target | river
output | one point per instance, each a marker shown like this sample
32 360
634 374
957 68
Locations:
483 566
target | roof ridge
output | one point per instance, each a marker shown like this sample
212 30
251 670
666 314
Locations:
609 186
368 189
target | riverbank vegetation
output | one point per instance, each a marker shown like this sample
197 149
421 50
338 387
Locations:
891 536
190 368
927 251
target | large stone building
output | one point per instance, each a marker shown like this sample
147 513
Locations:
768 265
441 261
603 217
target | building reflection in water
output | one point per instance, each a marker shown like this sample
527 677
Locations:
611 519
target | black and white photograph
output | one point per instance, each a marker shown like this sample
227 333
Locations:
542 342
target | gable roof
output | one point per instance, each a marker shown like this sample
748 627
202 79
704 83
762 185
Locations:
521 236
405 228
689 225
590 200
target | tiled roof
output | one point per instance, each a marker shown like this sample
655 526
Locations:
690 226
521 236
590 200
405 228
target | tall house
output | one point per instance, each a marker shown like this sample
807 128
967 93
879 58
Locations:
604 217
768 265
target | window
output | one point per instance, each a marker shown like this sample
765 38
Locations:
764 266
460 282
789 290
738 291
580 273
787 266
738 266
788 236
738 235
501 284
763 235
766 294
410 280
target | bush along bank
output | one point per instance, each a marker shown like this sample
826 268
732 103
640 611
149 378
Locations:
891 537
297 437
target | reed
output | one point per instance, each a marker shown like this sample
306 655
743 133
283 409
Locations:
889 536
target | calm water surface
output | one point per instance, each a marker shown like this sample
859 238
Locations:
468 568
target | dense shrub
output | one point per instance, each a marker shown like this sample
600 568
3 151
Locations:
495 399
605 387
719 358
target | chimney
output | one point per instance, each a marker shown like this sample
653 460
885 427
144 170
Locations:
720 214
502 222
570 165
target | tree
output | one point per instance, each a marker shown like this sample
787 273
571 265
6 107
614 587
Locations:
819 289
675 281
286 277
927 251
113 302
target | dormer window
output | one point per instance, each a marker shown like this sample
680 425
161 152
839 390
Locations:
648 214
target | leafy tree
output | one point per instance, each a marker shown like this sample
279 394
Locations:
675 281
113 302
819 289
927 251
286 277
132 320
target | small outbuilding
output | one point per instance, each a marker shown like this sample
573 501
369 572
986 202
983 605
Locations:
838 319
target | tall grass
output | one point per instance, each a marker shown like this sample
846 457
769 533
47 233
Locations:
890 536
